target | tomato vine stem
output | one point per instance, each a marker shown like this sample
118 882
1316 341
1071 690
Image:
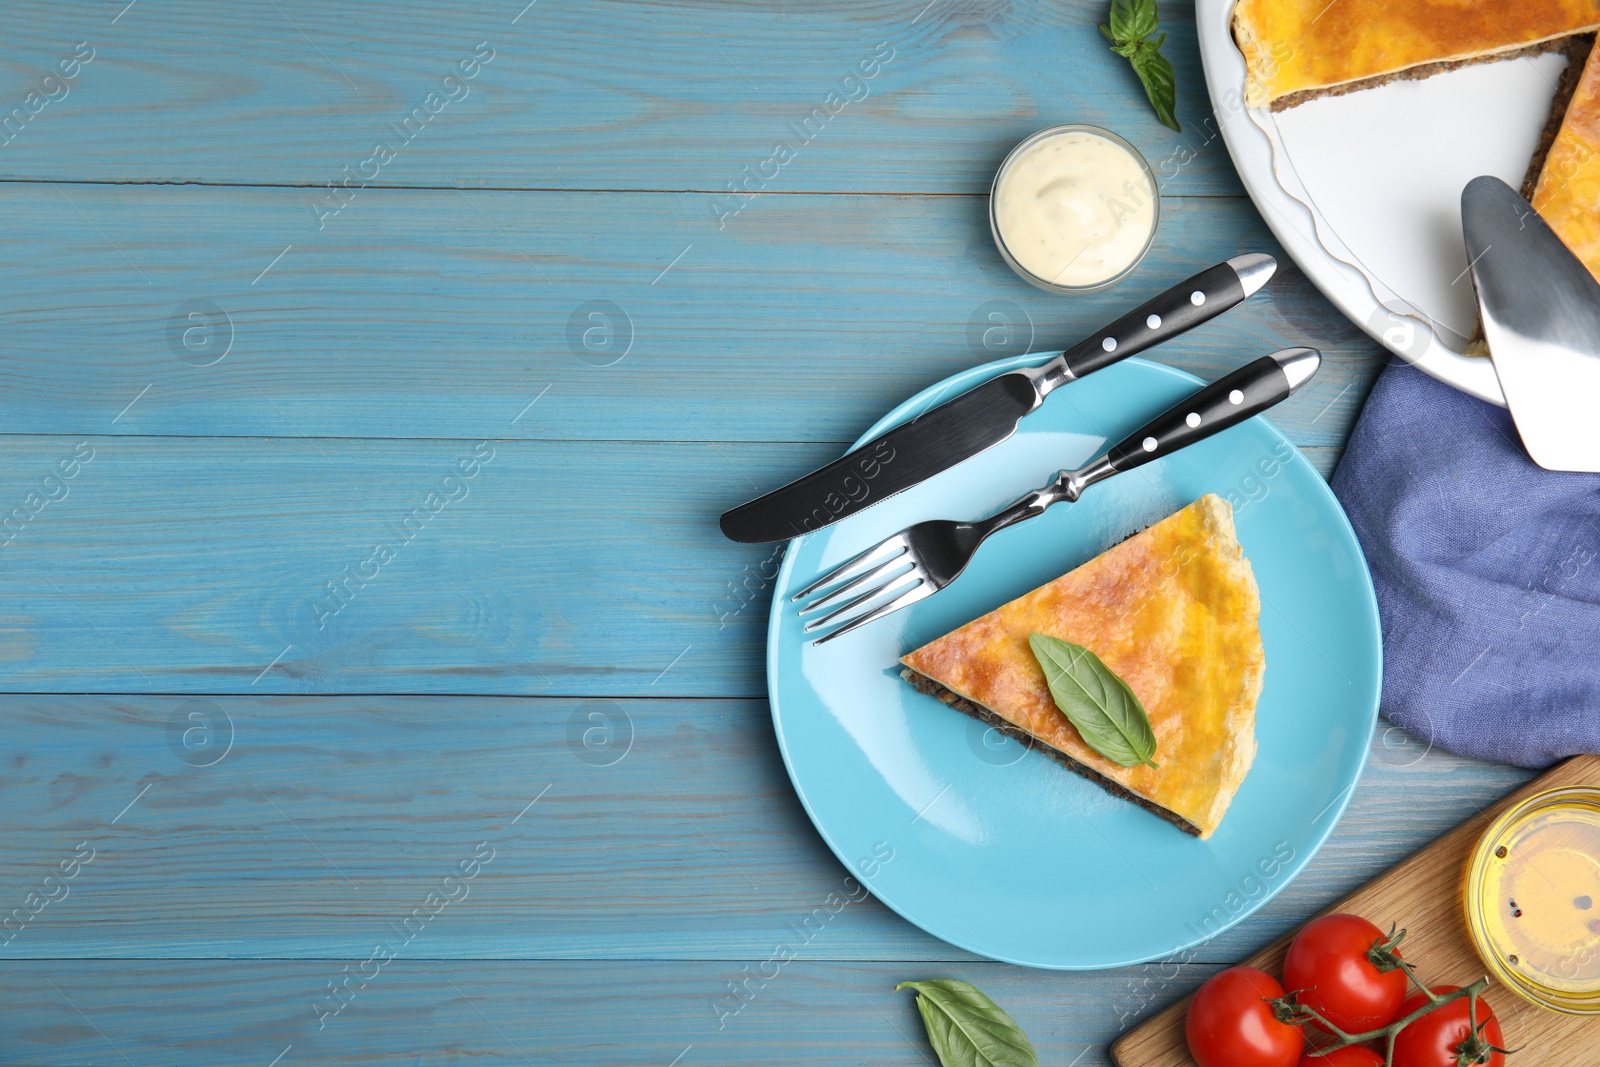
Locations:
1473 1051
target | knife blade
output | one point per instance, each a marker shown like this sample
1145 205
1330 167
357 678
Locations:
987 414
1540 308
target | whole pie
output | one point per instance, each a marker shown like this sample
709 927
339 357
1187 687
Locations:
1175 613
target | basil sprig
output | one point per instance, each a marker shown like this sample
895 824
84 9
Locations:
1131 24
967 1029
1106 712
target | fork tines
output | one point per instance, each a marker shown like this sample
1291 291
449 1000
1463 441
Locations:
888 568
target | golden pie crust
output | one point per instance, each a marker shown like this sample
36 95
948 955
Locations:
1175 612
1296 48
1567 193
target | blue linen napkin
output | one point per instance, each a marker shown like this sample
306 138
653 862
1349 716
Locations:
1486 572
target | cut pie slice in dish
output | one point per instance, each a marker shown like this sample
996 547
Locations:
1297 49
1174 611
1567 193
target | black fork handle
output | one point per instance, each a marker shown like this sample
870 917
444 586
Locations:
1226 402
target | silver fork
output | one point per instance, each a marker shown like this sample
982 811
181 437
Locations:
920 560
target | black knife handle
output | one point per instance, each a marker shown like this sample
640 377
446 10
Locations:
1226 402
1183 307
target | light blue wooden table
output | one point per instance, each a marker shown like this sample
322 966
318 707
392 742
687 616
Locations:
359 577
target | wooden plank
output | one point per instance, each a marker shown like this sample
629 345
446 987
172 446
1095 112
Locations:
297 565
231 1012
203 311
1422 895
641 94
662 829
294 565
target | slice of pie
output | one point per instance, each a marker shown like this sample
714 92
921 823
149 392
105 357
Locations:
1175 613
1567 192
1297 49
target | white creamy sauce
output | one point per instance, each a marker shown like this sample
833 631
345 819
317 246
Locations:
1075 209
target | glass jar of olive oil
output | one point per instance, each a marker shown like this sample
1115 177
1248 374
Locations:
1533 899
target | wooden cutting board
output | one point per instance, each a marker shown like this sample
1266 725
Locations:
1423 895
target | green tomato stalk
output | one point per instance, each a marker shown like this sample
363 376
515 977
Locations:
1474 1051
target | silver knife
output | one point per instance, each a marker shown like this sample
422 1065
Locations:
986 414
1541 318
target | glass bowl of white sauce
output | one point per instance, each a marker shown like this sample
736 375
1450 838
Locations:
1074 208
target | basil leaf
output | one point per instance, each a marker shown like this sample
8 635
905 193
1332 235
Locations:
1132 20
1106 712
1125 49
1128 28
967 1029
1160 85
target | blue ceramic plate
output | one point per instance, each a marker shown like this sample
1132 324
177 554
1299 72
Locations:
1000 850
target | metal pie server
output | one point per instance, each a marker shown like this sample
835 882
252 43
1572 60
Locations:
986 414
1541 319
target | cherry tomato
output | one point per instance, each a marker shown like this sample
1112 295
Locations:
1349 1056
1435 1040
1328 966
1230 1023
